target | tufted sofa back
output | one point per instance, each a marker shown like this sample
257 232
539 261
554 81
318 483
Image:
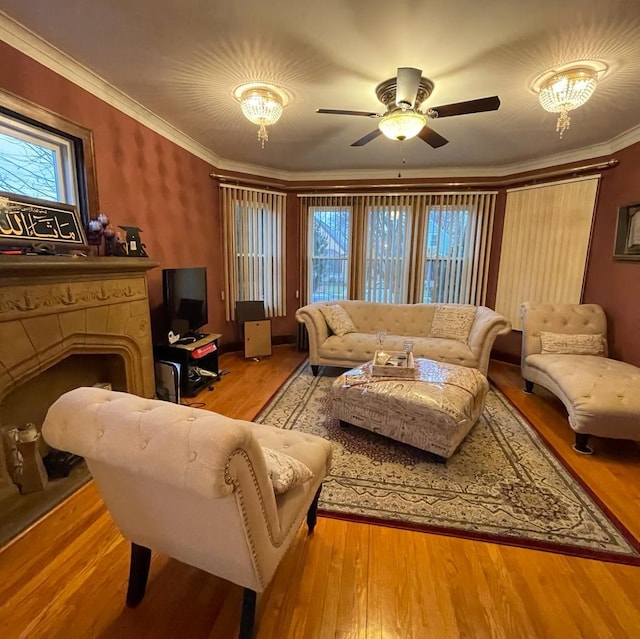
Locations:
398 319
559 318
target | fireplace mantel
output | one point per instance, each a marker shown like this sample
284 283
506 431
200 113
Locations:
55 267
53 308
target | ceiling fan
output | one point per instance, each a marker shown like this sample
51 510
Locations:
403 119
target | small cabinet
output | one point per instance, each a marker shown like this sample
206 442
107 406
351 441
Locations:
198 362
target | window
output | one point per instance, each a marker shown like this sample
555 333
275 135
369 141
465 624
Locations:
329 236
446 267
36 163
386 266
254 244
403 247
44 156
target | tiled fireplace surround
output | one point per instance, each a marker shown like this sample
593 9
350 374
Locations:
67 322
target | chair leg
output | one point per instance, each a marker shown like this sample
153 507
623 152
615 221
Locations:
312 513
528 386
138 574
315 369
248 617
582 444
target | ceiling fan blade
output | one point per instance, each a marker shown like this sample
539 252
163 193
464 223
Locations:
367 138
432 138
368 114
460 108
407 84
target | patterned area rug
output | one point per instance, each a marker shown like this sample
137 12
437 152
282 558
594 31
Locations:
502 485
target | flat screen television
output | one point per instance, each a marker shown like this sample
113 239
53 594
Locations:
185 299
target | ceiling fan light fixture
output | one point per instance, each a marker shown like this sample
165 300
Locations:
262 105
402 124
567 90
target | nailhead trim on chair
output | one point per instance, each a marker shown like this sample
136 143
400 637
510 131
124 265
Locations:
240 500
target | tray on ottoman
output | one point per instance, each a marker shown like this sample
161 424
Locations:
393 364
433 411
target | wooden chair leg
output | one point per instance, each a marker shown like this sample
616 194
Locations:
314 369
582 444
138 574
312 514
248 617
528 386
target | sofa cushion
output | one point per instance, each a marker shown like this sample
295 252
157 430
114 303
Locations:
572 344
285 472
360 347
338 319
453 322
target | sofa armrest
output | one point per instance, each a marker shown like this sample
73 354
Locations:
317 328
486 327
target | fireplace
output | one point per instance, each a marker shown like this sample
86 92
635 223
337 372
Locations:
67 322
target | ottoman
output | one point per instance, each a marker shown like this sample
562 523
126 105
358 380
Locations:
434 411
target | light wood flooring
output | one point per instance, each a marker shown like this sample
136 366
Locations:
66 576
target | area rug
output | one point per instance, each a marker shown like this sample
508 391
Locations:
503 484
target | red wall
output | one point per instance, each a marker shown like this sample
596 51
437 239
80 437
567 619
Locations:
614 284
143 179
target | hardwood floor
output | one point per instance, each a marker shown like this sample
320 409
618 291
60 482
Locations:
66 576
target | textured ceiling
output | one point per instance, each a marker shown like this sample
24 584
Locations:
183 59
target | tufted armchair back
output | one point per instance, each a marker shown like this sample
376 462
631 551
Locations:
189 483
559 318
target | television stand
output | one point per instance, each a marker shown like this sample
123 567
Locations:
201 354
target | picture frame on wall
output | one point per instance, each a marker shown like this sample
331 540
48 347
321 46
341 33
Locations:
627 245
27 221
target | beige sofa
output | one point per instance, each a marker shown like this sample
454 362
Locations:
601 395
402 322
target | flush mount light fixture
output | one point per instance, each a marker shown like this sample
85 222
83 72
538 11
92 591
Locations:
402 124
567 88
261 104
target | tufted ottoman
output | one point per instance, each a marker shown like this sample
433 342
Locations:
433 412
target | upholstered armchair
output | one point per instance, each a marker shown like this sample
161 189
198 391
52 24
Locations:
193 484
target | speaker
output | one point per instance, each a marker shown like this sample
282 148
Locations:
168 381
249 312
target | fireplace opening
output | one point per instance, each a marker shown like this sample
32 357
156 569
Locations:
28 404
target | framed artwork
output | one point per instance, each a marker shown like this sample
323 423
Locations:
627 246
25 221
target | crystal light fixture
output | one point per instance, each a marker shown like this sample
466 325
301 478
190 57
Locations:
262 105
565 91
402 124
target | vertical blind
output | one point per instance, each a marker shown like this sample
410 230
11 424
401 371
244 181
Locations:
412 247
544 244
253 227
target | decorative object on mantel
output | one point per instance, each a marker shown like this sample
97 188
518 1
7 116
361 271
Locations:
568 87
25 221
261 104
627 246
133 245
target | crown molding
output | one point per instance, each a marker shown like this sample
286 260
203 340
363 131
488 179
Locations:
32 45
35 47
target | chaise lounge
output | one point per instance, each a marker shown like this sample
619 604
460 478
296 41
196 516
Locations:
564 349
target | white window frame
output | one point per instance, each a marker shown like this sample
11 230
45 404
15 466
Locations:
65 160
311 246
